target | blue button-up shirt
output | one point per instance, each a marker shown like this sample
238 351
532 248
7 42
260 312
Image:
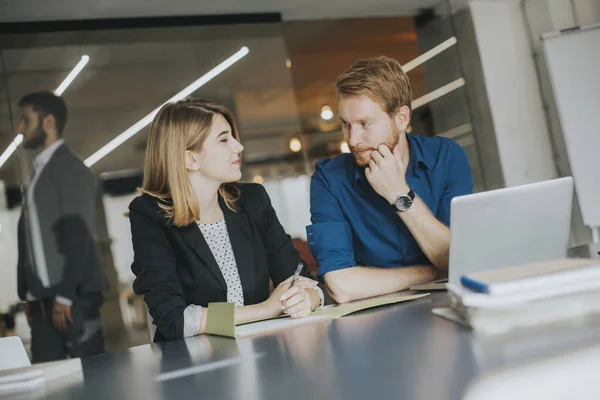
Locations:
352 225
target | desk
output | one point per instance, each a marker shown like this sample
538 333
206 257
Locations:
400 351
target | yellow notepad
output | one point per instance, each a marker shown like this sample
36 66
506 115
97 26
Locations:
221 316
341 310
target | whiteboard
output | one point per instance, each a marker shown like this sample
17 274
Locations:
573 60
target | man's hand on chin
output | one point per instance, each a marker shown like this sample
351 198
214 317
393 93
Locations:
387 173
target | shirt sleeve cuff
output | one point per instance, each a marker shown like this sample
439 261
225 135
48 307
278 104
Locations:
331 245
192 318
321 297
64 301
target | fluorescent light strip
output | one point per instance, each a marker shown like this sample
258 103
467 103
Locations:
466 141
72 75
429 54
59 91
142 123
456 132
437 93
10 149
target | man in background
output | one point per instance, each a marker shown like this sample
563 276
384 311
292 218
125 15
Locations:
60 275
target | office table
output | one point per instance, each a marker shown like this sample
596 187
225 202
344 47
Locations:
399 351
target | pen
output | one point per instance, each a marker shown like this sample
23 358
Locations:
296 274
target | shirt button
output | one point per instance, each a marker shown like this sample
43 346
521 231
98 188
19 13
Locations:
408 253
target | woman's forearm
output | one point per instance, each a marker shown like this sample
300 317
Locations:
255 312
245 314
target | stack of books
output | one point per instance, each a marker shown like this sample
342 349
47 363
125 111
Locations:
531 295
36 377
21 380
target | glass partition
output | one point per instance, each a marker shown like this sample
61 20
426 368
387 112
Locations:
278 80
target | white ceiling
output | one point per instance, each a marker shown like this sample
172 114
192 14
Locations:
40 10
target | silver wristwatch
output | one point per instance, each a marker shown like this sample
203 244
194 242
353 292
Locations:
404 201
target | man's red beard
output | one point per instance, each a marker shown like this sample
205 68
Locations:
362 160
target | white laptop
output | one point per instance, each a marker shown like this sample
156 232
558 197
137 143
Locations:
510 226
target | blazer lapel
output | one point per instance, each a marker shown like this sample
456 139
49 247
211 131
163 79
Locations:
193 237
240 234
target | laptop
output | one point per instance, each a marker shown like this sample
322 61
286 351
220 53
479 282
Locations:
507 227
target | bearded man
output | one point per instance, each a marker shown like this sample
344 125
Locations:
381 215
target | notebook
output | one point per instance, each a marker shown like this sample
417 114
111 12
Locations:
221 316
36 376
539 276
439 284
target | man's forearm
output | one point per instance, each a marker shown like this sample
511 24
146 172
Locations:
362 282
72 272
76 240
432 236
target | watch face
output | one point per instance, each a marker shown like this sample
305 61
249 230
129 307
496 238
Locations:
403 202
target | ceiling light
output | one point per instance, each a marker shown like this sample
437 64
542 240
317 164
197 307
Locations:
58 91
11 149
72 75
429 54
295 145
456 132
326 113
344 148
258 179
288 63
142 123
437 93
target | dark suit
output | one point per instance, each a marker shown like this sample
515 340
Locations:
64 203
175 267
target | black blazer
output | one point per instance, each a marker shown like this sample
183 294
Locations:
174 267
65 199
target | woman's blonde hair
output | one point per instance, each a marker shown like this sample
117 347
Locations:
178 127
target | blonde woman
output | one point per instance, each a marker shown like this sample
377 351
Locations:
199 236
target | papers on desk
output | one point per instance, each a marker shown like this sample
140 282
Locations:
21 380
221 316
437 285
340 310
531 295
221 322
35 377
13 353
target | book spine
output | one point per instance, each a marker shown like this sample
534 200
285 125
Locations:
474 285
